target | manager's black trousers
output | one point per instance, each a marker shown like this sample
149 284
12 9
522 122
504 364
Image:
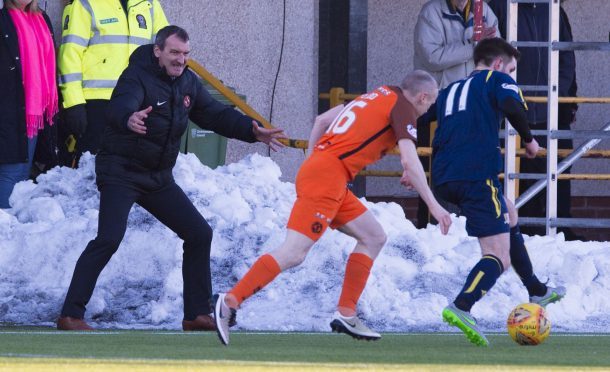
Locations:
169 205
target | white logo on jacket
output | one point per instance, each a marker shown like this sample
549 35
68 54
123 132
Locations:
512 87
412 130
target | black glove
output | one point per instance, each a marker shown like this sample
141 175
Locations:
76 119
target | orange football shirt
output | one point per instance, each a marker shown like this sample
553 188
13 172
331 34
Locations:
368 127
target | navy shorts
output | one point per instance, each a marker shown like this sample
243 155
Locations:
481 202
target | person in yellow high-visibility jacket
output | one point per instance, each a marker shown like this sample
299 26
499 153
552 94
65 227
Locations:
98 36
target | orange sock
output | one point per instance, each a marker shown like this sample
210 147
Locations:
264 270
356 274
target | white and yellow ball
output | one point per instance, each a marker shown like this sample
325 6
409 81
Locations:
528 325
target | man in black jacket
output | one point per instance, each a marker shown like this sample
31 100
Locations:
148 113
533 25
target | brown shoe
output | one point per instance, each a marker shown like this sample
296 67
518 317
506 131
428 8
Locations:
201 323
67 323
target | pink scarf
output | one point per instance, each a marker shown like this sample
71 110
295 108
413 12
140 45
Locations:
37 54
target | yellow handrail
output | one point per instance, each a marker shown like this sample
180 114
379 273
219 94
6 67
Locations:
228 93
238 102
580 177
561 153
338 96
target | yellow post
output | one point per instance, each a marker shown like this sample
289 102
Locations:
228 93
238 102
336 96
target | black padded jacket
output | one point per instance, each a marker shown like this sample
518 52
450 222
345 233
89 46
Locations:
174 101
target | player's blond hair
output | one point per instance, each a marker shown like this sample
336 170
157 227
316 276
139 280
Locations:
418 81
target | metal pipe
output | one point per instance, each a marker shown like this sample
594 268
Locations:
566 163
570 176
530 44
530 1
581 45
565 45
567 222
534 88
562 134
590 134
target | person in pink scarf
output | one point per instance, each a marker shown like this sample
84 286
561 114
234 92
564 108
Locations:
28 101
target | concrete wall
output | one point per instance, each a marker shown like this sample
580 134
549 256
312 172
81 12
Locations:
390 56
239 41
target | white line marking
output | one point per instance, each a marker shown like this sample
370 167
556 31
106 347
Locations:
189 334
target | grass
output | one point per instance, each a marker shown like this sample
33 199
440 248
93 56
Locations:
396 349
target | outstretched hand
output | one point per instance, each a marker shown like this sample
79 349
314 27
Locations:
269 136
135 123
443 217
436 210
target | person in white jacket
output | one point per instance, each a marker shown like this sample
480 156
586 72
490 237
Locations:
443 38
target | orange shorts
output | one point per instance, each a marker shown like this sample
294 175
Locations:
323 198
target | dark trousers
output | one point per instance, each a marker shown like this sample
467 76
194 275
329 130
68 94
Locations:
90 140
172 208
12 173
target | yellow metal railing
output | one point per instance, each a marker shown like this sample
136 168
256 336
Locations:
337 96
239 103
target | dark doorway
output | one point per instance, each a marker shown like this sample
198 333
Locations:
343 54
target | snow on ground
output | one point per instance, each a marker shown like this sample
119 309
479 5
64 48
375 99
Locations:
417 274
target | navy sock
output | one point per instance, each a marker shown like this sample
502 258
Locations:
480 280
522 264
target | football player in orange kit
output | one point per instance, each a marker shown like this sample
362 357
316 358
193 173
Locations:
344 140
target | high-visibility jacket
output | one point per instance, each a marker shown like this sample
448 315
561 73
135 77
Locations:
97 39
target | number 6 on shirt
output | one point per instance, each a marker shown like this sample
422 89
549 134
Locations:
340 125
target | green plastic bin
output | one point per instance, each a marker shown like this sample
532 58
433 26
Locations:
209 147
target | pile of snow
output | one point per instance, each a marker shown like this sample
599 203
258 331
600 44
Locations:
417 274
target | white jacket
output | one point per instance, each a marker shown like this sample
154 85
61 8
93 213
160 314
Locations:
442 41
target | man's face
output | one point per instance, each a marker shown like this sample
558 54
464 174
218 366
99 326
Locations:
174 55
500 64
425 100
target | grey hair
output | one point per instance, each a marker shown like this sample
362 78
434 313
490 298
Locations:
418 81
168 31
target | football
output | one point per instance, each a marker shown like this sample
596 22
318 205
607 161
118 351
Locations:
528 325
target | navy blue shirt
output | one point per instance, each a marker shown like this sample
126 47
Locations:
466 145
